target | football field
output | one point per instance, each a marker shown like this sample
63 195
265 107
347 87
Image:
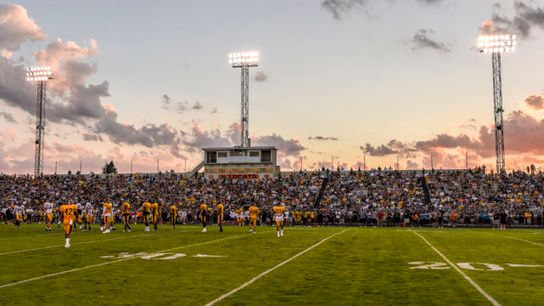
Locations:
308 266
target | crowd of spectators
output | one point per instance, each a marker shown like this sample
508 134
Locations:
352 197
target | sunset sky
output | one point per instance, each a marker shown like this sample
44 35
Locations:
149 80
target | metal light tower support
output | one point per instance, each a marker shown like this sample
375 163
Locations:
497 44
498 110
40 128
245 107
244 60
39 75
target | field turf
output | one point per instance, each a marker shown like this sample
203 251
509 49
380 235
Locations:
309 266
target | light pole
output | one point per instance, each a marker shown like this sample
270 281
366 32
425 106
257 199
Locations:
244 60
497 44
40 75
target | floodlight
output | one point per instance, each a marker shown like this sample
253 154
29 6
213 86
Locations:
502 43
37 74
247 58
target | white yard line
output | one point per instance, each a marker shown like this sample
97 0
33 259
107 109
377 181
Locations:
473 283
112 262
84 242
251 281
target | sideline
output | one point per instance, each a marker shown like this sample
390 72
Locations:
251 281
473 283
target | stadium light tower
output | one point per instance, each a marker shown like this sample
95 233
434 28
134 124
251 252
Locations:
40 75
244 60
497 44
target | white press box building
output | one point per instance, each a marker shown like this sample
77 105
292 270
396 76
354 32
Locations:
240 162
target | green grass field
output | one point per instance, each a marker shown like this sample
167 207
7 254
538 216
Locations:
334 266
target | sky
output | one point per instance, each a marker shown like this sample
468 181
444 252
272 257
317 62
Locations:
148 82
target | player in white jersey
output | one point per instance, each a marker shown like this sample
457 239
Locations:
18 211
279 218
88 216
48 209
29 215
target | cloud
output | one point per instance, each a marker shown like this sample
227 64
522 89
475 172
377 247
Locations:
214 110
410 165
180 106
322 138
286 147
199 138
525 19
197 106
339 8
429 1
14 89
381 150
392 147
260 76
149 135
521 130
8 117
535 102
166 102
92 137
69 98
422 40
16 27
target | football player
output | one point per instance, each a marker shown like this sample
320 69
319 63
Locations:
146 211
253 214
279 217
107 217
203 216
68 212
173 214
18 211
125 212
48 208
88 216
220 212
155 214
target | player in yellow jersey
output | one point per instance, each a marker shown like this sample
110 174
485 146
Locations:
125 212
173 215
279 217
155 214
107 217
68 212
220 212
253 214
203 216
146 212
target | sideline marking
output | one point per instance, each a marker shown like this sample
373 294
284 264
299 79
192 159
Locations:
83 242
115 261
207 256
251 281
473 283
511 238
519 239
